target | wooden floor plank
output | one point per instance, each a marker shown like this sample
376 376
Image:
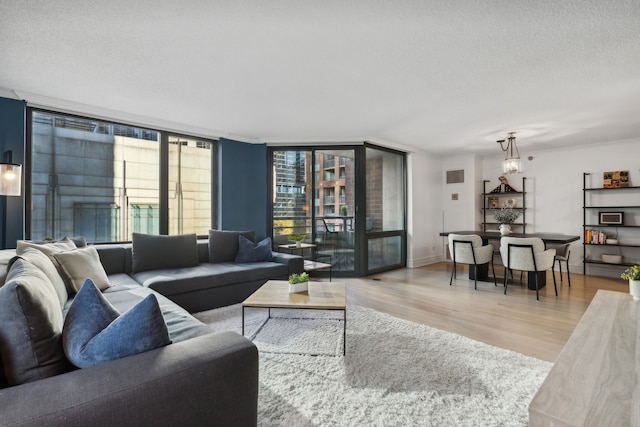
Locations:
515 321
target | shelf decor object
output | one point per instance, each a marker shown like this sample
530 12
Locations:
611 218
615 179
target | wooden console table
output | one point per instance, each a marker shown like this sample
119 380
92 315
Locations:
594 381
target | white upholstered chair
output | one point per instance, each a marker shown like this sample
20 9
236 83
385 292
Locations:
526 254
468 249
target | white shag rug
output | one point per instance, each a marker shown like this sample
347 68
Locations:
395 373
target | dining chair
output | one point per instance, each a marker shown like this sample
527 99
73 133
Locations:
527 254
562 255
469 249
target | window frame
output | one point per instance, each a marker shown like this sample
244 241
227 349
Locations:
163 160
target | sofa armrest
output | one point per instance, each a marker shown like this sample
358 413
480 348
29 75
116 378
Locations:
206 380
295 262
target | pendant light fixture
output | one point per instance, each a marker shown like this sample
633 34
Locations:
512 163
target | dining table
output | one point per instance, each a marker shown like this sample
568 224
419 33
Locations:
482 271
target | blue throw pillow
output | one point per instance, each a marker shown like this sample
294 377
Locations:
253 252
94 332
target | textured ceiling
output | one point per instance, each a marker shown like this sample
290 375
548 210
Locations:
436 75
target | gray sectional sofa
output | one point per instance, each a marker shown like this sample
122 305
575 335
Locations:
201 378
212 280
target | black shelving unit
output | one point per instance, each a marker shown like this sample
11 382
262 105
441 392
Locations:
589 212
486 210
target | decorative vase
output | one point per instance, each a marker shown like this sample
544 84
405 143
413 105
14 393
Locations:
505 229
634 289
298 244
298 287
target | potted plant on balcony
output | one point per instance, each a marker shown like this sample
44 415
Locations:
632 274
297 238
505 216
343 210
298 282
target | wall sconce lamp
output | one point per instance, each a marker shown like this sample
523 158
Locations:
10 179
511 163
10 185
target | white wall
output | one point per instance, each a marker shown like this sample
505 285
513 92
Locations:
554 194
424 217
431 207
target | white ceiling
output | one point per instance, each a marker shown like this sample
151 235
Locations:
436 75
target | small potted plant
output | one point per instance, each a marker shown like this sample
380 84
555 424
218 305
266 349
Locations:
298 282
297 238
632 274
343 210
506 216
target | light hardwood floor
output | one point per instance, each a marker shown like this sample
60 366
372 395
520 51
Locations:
515 321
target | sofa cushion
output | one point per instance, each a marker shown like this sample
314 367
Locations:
45 264
80 265
30 326
115 258
223 244
180 324
210 275
95 332
253 252
151 252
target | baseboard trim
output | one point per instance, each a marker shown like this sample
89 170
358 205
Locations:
421 262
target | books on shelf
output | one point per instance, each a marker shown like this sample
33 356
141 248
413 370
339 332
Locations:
594 237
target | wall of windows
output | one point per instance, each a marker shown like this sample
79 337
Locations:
104 180
349 203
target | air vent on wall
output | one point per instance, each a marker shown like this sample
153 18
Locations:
455 177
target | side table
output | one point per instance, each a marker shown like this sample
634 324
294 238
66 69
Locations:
309 264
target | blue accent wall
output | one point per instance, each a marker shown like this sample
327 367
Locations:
242 197
12 137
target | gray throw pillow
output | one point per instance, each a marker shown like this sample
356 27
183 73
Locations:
253 252
94 332
79 241
30 326
46 265
80 265
61 245
223 245
153 252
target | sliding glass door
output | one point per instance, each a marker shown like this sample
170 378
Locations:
385 206
346 203
335 206
291 201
